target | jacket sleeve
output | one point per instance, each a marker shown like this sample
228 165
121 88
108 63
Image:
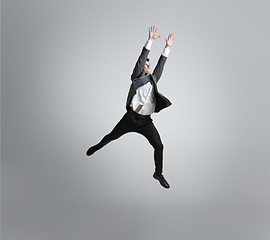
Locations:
159 68
140 64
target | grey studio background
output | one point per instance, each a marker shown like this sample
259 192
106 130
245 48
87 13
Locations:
66 69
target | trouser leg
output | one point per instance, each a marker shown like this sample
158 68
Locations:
122 127
150 132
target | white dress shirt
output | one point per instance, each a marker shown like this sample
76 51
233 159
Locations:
144 101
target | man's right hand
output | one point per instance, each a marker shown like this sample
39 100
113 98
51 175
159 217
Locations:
153 34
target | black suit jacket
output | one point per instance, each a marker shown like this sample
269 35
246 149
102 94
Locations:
161 101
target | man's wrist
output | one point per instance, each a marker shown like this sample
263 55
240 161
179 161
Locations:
166 52
148 44
168 47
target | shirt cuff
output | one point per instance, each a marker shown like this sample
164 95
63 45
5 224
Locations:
148 44
166 52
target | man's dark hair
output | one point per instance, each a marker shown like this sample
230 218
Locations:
147 60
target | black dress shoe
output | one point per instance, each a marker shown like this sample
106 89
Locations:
91 151
161 180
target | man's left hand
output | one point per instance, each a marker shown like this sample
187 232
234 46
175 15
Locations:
169 41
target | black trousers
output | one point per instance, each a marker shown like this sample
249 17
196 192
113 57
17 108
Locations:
134 122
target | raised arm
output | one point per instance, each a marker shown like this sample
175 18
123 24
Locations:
138 69
161 62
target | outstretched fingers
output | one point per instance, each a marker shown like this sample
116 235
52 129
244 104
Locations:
153 33
152 29
170 37
170 40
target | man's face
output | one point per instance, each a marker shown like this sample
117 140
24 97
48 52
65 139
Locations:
147 68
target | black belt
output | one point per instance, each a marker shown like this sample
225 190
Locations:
137 114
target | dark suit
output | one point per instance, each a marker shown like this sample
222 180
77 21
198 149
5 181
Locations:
161 101
134 122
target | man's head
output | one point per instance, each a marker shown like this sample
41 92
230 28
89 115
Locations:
147 68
